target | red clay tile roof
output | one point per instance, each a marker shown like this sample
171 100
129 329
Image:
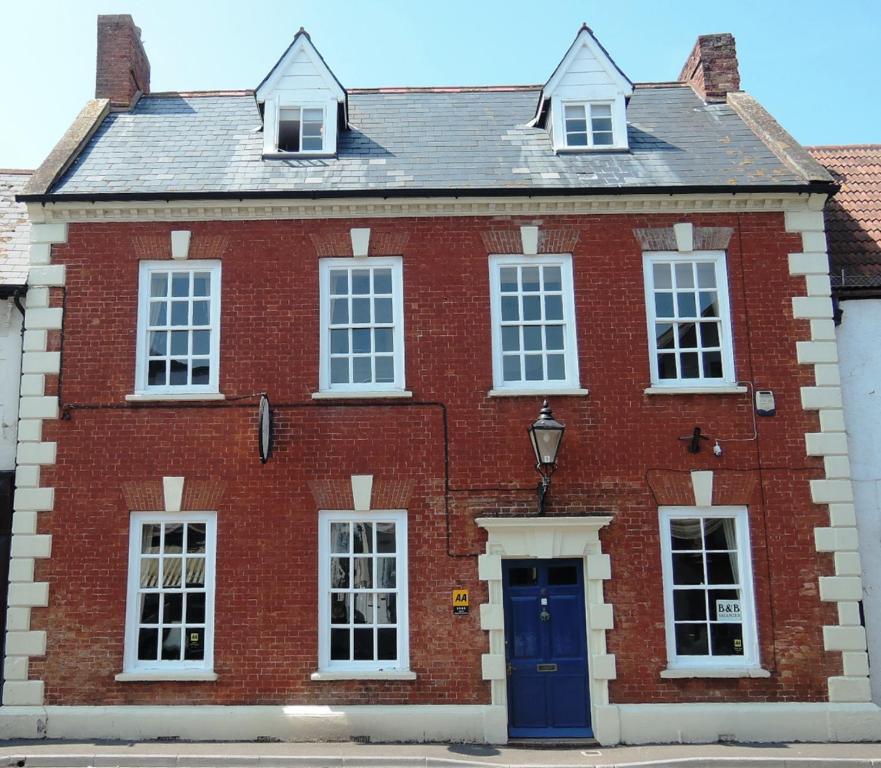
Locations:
853 216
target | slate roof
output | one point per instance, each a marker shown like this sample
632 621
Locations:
853 216
414 141
14 229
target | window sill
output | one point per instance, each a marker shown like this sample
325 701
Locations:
375 674
296 155
687 672
556 392
590 150
144 397
726 389
370 395
181 675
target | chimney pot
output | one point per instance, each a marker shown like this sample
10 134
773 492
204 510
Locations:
711 68
123 70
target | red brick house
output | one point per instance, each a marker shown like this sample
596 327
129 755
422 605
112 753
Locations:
406 274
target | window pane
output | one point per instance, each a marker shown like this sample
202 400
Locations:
148 644
201 371
722 568
178 373
201 314
171 644
158 343
602 139
691 640
664 336
727 639
713 365
339 311
385 537
574 111
339 282
531 307
576 139
688 568
688 366
313 115
360 310
664 305
340 609
706 275
553 307
195 576
201 283
361 340
339 537
385 370
386 608
339 572
533 367
180 313
562 574
173 608
339 370
601 125
360 281
510 338
601 110
556 368
511 367
387 644
667 366
151 538
180 341
339 645
158 310
159 284
686 305
661 276
553 279
289 131
553 337
685 534
312 144
710 334
362 572
361 370
195 645
689 604
687 336
385 572
530 278
180 284
174 538
522 576
709 304
363 644
201 342
510 308
720 533
684 276
577 126
508 279
363 609
382 281
532 338
149 608
382 340
363 541
339 342
382 309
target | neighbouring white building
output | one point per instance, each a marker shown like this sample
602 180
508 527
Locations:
14 229
853 226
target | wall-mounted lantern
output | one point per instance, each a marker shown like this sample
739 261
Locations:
546 434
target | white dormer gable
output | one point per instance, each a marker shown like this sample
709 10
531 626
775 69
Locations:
583 104
304 105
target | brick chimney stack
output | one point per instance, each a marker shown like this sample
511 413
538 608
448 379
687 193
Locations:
123 71
711 68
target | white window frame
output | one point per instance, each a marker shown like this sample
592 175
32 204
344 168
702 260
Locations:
726 341
399 518
747 599
396 265
302 106
147 268
131 663
570 341
588 114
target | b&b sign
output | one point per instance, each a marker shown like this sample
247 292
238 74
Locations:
728 611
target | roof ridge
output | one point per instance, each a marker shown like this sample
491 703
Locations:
196 94
843 146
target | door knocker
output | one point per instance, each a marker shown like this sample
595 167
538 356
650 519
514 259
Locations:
544 615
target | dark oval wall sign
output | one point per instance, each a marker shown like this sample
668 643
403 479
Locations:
264 429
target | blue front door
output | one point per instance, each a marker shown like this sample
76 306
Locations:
546 648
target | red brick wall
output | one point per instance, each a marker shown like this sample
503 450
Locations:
616 439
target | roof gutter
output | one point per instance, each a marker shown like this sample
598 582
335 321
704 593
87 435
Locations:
14 292
811 187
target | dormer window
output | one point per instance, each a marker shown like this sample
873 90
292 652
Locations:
583 106
588 125
301 129
304 105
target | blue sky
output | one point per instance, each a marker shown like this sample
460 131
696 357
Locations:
812 63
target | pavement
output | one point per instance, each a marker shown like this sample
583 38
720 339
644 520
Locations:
177 754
